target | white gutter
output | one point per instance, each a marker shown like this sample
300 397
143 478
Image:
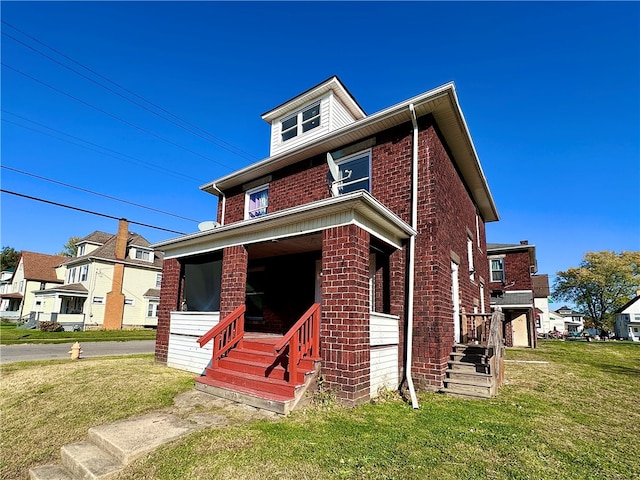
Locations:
224 201
412 262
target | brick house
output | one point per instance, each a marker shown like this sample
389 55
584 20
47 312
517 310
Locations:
512 267
367 229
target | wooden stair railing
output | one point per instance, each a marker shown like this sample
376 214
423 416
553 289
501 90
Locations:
303 340
226 334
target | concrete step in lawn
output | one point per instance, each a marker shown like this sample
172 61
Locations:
109 448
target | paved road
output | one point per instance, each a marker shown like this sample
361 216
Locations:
50 351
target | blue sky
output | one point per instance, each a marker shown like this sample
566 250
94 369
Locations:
550 92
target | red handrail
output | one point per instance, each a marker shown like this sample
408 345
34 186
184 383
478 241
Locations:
303 340
226 334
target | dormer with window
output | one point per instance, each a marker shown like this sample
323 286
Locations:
141 253
316 112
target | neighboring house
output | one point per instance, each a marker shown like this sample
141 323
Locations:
377 220
112 283
627 323
573 321
541 302
556 324
34 272
511 267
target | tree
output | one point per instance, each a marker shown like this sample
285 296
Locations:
9 258
70 248
603 283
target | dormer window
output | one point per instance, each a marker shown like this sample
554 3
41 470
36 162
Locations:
142 254
81 249
300 122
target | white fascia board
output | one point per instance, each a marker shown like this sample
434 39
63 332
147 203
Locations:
459 141
358 208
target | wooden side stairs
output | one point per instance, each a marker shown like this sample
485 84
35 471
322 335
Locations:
266 371
471 372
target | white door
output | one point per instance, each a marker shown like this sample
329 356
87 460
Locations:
455 297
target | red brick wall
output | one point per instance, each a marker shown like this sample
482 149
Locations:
234 279
170 293
344 325
516 269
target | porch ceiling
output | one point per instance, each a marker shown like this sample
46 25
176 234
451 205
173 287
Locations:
292 228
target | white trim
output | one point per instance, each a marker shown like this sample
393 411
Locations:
358 208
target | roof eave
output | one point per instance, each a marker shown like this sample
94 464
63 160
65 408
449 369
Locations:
456 135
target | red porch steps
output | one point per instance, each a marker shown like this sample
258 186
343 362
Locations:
253 374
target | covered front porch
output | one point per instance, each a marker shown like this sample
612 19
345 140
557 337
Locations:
325 283
64 305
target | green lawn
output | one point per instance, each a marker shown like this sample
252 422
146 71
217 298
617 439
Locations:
10 335
574 417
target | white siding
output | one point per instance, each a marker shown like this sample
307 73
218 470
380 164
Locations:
184 353
384 369
384 339
339 116
277 146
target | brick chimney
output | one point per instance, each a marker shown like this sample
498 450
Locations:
121 238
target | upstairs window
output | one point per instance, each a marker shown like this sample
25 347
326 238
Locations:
257 202
142 254
158 280
497 269
354 172
472 270
84 273
81 250
301 122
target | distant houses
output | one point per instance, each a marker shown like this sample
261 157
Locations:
112 283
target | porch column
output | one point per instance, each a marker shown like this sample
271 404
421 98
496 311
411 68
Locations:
344 326
234 279
170 299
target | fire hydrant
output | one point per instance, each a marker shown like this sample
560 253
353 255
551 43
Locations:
75 351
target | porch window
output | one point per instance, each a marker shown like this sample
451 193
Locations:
257 202
354 170
255 294
152 308
202 279
497 269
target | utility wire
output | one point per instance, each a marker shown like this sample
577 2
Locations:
217 141
96 193
86 211
148 132
136 160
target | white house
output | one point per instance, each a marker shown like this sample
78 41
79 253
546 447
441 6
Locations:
627 323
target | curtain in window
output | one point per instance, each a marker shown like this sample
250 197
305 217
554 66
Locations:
258 203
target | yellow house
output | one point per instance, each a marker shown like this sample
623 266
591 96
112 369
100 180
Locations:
112 283
34 272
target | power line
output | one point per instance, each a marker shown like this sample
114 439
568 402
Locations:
86 211
216 140
148 132
134 159
96 193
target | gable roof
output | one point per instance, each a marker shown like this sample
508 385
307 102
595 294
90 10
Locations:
628 304
441 102
107 251
96 237
40 266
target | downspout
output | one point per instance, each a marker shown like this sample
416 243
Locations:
224 202
412 263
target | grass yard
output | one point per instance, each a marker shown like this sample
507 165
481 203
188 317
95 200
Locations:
46 405
574 417
10 335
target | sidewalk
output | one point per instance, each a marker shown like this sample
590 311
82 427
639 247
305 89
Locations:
110 448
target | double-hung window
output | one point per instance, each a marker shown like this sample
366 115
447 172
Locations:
497 269
257 202
354 172
152 308
142 254
300 122
84 273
